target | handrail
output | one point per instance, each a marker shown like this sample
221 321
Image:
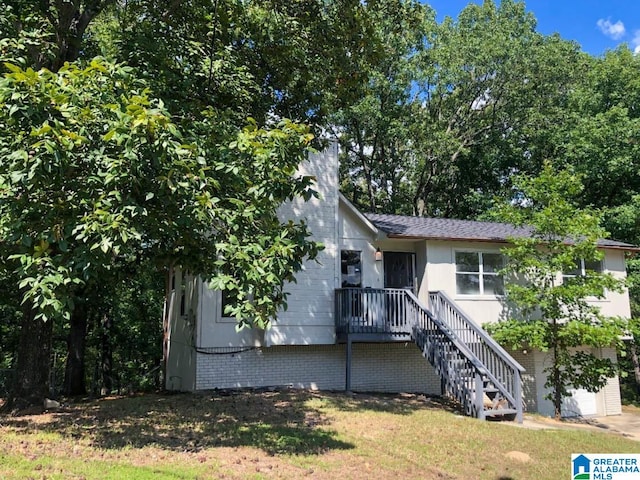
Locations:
466 358
461 371
505 371
433 298
371 311
451 335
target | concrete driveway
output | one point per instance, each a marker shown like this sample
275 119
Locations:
627 424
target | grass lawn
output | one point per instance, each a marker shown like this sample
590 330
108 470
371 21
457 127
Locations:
290 434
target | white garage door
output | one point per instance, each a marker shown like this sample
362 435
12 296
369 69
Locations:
580 403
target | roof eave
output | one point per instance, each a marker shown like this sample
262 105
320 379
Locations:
625 248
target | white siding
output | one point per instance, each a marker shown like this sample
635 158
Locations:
309 318
440 274
180 365
421 272
615 304
354 235
215 331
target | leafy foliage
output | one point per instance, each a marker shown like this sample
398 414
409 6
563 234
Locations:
97 174
84 150
433 118
551 311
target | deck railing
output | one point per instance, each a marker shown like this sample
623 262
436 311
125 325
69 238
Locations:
472 366
372 310
504 371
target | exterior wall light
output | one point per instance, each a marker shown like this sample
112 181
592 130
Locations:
378 255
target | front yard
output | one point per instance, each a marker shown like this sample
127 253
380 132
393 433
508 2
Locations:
290 434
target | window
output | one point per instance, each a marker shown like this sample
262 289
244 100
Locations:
183 291
222 298
582 267
224 301
477 273
351 267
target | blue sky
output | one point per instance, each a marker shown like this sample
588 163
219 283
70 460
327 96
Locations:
597 25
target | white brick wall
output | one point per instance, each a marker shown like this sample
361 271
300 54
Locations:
529 386
387 367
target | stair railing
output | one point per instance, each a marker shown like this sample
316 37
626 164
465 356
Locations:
461 373
504 371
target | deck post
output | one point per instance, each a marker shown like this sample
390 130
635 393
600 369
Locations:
517 394
478 398
347 383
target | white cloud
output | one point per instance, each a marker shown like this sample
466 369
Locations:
613 30
635 43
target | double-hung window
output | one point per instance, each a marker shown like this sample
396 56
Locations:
582 267
477 273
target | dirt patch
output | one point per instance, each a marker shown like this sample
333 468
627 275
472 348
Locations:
518 456
627 424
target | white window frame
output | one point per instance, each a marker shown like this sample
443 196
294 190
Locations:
583 269
220 316
480 273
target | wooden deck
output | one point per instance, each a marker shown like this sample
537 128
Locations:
471 365
372 315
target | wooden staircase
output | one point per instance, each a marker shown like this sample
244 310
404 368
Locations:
473 369
499 374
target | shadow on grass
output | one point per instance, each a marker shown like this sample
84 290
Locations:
276 422
398 404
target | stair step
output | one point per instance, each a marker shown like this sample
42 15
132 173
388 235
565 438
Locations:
463 376
501 411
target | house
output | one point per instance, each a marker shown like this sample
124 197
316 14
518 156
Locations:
581 467
393 304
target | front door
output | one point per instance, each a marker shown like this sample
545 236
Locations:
399 270
398 273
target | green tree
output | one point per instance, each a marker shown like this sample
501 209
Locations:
96 176
376 122
551 311
231 60
46 33
601 139
445 113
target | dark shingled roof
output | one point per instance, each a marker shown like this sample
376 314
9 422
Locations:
400 226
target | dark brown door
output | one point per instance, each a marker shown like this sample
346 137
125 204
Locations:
399 270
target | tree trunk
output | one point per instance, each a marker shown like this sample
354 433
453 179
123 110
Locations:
636 364
33 368
70 26
106 357
74 373
557 391
556 374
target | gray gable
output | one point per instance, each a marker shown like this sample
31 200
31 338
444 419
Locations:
400 226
